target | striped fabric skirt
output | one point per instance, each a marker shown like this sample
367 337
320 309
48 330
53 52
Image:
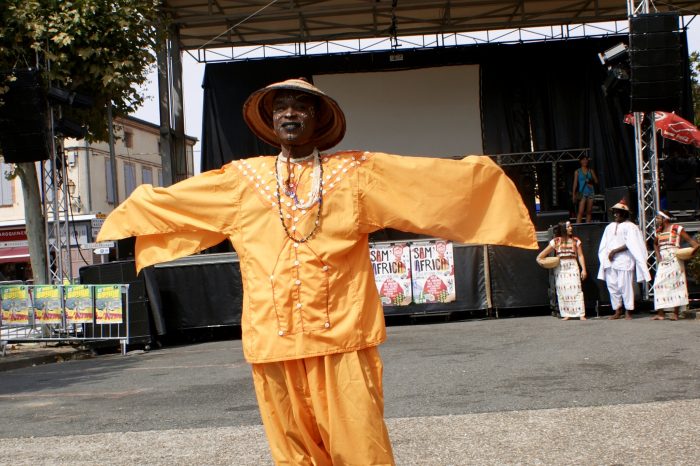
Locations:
569 293
670 288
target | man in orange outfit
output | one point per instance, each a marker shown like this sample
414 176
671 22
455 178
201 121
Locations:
300 221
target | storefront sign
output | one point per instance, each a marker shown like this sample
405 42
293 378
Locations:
13 234
102 245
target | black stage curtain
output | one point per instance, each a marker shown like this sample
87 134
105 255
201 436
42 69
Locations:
560 105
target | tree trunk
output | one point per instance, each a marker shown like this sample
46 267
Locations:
34 220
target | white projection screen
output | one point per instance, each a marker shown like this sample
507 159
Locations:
430 111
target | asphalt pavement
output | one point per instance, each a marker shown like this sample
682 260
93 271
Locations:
533 390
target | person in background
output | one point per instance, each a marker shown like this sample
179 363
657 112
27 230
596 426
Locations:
567 276
670 286
622 254
584 189
300 222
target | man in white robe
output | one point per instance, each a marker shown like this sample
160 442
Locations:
622 254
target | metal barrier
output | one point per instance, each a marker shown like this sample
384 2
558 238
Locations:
64 313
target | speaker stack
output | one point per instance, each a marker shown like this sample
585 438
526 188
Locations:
23 125
594 291
655 60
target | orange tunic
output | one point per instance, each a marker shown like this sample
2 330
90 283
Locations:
319 297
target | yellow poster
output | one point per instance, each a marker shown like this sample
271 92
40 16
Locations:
47 304
15 304
108 304
79 307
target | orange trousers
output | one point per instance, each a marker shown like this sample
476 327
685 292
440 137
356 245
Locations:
325 410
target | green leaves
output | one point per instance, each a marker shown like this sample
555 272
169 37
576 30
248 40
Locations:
695 86
101 48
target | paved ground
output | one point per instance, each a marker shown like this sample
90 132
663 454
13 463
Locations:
531 390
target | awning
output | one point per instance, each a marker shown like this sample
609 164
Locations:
17 254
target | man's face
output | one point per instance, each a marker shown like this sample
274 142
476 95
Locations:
617 216
294 117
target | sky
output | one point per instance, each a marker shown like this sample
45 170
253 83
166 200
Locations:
193 74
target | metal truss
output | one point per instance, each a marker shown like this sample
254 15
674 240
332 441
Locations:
546 156
552 157
405 43
646 157
211 24
56 212
647 177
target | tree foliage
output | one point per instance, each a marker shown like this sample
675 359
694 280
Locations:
100 48
694 71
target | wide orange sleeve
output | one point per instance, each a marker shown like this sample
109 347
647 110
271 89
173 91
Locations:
177 221
469 200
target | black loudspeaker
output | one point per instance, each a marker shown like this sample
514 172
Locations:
682 199
614 195
126 248
656 64
594 290
23 126
545 220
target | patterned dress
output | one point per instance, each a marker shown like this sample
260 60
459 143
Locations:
568 277
670 289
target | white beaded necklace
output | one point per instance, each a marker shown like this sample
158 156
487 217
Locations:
314 192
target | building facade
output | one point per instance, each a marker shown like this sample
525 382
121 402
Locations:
91 195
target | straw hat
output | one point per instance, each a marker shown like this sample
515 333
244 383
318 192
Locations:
550 262
621 205
330 120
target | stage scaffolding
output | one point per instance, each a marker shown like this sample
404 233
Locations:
56 210
646 157
423 41
219 49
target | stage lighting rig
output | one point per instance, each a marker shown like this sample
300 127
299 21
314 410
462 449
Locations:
614 54
617 80
616 59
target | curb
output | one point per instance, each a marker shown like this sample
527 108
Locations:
13 362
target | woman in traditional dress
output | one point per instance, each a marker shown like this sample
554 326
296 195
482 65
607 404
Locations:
583 190
567 275
670 288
